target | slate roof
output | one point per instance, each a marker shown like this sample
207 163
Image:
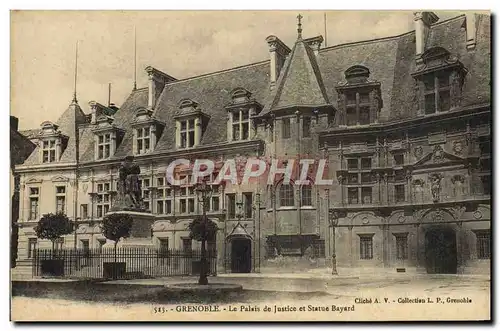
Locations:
68 124
30 133
300 83
20 147
390 60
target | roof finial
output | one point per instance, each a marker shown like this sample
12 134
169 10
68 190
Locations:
76 73
299 27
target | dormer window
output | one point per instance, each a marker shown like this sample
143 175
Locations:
358 107
143 140
103 146
147 130
49 151
439 81
107 137
241 124
187 133
240 111
360 98
52 142
437 92
190 124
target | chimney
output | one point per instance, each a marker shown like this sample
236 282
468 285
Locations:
157 81
423 21
98 109
471 29
14 123
314 43
94 109
278 53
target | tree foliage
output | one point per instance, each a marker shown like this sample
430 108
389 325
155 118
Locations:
116 226
200 230
53 226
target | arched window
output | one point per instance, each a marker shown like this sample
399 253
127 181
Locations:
306 195
286 195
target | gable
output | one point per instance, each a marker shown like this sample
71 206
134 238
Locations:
437 157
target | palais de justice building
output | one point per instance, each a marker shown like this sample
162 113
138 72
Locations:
403 121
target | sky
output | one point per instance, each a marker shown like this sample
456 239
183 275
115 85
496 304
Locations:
180 43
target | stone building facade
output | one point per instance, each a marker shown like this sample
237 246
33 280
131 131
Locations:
403 122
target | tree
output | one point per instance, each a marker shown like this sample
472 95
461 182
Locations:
53 226
202 229
116 226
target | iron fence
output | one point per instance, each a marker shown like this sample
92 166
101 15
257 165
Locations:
138 262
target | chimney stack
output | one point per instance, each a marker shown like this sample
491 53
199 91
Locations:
14 123
94 109
278 52
157 81
423 21
315 43
471 30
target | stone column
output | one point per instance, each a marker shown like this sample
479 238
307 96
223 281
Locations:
197 131
461 248
177 134
23 200
58 149
385 245
152 134
112 146
420 262
408 186
229 126
96 147
419 98
349 240
134 141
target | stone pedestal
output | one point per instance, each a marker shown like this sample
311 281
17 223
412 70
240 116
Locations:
140 234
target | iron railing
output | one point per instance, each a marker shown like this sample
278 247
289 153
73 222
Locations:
140 262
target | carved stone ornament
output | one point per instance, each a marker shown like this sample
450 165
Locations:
435 180
365 220
160 226
82 229
438 216
401 219
438 154
418 151
458 178
458 147
458 211
477 214
418 182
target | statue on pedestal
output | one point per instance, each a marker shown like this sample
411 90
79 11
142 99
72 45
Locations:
435 186
129 188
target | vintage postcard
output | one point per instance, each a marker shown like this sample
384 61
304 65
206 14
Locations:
250 166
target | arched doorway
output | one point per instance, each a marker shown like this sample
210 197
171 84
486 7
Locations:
441 250
241 255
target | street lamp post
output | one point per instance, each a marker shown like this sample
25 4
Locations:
332 221
258 222
204 191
